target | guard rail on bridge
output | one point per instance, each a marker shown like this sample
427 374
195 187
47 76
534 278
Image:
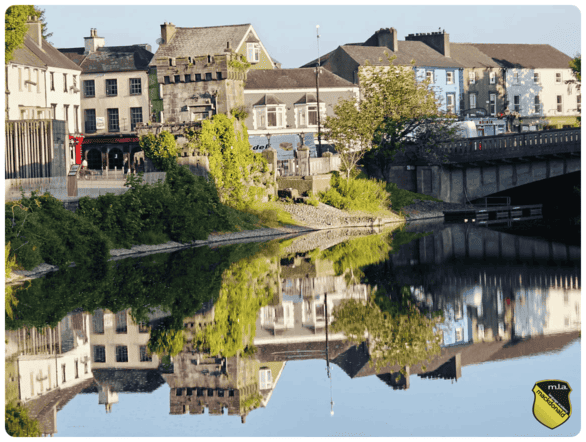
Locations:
499 147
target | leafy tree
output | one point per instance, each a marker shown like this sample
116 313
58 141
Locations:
405 338
166 341
15 27
397 112
161 149
19 424
576 68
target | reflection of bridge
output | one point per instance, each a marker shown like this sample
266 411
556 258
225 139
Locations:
478 167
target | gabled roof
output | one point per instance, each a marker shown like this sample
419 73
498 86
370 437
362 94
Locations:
204 41
268 99
292 78
527 56
470 56
47 56
111 58
322 59
408 50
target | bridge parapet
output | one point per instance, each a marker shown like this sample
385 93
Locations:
513 146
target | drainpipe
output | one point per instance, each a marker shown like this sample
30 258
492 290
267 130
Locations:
7 95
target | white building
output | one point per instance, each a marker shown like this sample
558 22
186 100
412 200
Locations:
42 83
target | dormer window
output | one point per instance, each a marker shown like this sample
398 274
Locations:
269 112
306 111
265 378
253 52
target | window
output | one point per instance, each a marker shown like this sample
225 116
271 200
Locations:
177 78
479 310
451 103
208 76
90 126
135 116
135 86
66 110
121 325
492 77
429 76
536 77
265 378
76 117
171 62
566 298
480 331
99 353
89 88
54 108
218 75
64 82
113 125
517 103
459 336
75 81
579 103
167 79
472 101
52 76
558 77
38 81
76 369
492 104
472 77
187 78
253 52
28 76
63 377
501 329
121 353
559 103
220 392
197 77
449 78
312 115
111 88
537 105
20 79
515 77
144 355
270 116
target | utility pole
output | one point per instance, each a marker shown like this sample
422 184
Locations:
329 373
317 69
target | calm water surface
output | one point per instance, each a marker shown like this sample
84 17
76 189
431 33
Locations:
266 326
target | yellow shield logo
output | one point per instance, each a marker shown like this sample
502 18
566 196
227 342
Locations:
552 405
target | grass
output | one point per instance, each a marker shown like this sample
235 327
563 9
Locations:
401 198
270 214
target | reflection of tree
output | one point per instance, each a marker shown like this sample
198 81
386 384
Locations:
403 337
166 341
19 424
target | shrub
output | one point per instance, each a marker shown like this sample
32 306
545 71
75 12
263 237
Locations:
311 200
19 424
161 149
368 195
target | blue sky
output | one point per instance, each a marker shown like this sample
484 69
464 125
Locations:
492 399
289 32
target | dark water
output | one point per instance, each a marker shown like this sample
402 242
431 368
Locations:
267 349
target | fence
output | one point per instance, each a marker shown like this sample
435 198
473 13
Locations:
314 166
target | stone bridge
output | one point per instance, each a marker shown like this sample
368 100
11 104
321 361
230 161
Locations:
477 167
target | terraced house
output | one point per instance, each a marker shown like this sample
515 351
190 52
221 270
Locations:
200 71
114 85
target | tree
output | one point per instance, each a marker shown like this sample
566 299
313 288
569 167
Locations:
405 337
396 111
161 149
15 27
19 424
576 68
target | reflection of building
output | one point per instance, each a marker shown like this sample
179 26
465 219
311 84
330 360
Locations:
118 342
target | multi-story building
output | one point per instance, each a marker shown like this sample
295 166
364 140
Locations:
201 71
536 83
283 109
42 83
115 97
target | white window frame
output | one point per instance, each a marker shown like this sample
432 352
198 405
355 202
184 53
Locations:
492 77
429 76
518 97
472 101
449 77
559 102
492 104
515 77
459 334
253 52
451 106
558 76
536 78
472 77
261 118
480 331
537 104
302 114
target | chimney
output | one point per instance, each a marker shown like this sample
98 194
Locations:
167 32
384 38
34 30
228 47
440 41
93 42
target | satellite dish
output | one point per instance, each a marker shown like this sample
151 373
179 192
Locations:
160 41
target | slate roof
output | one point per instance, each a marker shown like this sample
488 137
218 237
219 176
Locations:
203 41
47 56
528 56
292 78
408 50
322 59
470 56
111 59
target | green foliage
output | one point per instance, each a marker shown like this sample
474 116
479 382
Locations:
233 164
166 341
251 402
239 64
161 149
15 28
402 198
312 200
247 286
240 113
40 230
367 195
9 297
19 424
404 338
575 64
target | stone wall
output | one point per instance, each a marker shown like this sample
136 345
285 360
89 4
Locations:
303 184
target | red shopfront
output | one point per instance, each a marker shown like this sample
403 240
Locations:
110 153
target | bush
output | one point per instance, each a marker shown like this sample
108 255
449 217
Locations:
311 200
367 195
402 198
19 424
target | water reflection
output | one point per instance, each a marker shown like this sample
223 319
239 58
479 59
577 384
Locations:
498 297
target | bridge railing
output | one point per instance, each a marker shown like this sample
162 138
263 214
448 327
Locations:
499 146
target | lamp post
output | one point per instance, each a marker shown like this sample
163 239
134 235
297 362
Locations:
317 69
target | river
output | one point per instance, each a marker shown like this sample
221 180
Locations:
266 327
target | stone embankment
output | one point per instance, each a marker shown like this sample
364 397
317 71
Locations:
430 209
